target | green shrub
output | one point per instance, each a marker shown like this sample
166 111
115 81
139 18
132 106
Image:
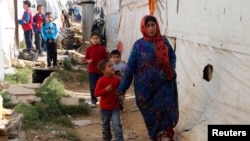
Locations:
73 61
22 44
82 108
31 116
64 75
67 64
6 100
42 109
63 121
82 76
52 87
50 94
22 76
62 131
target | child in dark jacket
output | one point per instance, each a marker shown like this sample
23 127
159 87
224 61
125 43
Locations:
38 21
50 34
109 103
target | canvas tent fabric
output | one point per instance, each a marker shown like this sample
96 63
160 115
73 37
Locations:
211 23
111 16
7 34
8 48
205 32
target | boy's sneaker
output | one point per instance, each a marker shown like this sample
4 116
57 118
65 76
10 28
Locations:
32 52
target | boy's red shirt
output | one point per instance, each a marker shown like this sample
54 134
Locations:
96 53
109 100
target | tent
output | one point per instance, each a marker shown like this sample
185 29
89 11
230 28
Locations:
11 33
7 35
203 32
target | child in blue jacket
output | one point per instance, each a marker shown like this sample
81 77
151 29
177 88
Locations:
50 33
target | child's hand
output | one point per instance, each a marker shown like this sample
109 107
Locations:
89 61
50 41
109 88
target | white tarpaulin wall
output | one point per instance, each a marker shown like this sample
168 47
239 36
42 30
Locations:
132 12
222 24
7 34
112 16
8 48
129 29
211 32
207 32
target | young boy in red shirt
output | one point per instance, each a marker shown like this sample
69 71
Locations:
109 102
26 23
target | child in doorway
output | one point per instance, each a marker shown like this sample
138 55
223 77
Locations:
109 103
94 54
115 57
50 34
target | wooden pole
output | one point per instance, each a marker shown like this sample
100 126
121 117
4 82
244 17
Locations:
16 25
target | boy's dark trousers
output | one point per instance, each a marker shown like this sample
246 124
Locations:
28 39
38 42
51 53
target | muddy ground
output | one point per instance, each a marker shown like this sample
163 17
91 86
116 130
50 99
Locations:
133 126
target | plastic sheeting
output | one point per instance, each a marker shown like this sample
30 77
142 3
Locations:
206 32
132 12
223 100
112 16
129 27
8 48
222 24
7 34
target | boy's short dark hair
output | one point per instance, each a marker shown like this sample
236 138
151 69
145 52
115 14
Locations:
27 2
115 52
102 64
48 13
38 6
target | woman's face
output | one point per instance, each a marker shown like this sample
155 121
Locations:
151 28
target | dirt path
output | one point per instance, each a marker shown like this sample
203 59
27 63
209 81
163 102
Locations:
133 126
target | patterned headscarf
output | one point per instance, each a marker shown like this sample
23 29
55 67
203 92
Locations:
161 47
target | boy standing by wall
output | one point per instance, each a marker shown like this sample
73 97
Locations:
26 23
38 21
50 34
